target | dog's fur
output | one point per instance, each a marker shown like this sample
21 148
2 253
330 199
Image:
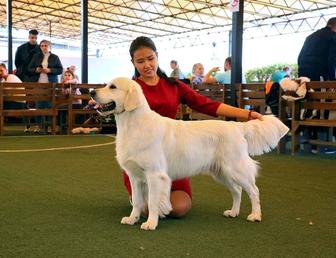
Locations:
156 150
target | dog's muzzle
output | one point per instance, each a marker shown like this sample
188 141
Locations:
107 107
103 107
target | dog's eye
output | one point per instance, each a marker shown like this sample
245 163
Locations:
113 86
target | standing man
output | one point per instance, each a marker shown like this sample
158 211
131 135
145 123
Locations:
24 54
317 59
176 73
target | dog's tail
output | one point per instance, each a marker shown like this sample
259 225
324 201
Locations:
263 135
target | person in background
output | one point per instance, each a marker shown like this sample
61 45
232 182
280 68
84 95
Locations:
224 77
68 78
11 78
164 95
317 61
5 76
43 68
176 73
197 74
72 68
288 71
272 90
24 54
317 58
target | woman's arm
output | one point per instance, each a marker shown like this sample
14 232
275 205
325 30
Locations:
208 78
230 111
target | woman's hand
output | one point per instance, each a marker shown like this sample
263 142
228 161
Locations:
38 69
254 115
215 69
46 70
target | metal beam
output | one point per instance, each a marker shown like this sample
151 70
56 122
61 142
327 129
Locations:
10 38
237 50
84 39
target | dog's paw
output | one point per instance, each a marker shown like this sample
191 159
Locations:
129 220
231 213
254 217
165 208
149 225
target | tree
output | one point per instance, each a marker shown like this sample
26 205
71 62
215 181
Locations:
261 74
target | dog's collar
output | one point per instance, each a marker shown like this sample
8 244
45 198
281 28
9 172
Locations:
118 113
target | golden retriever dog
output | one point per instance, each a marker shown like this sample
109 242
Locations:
154 150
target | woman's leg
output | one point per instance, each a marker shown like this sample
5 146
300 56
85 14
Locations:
181 203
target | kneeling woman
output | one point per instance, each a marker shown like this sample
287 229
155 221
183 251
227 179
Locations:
164 95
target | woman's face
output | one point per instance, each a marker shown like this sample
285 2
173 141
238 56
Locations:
44 47
145 60
199 70
67 77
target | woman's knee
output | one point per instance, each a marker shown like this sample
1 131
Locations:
181 203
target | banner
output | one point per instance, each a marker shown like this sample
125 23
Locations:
234 5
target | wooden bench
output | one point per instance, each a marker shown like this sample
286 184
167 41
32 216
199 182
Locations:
323 99
251 95
213 91
84 98
30 92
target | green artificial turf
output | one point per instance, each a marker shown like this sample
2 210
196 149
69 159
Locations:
69 203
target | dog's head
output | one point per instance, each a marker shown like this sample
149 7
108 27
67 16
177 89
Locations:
119 95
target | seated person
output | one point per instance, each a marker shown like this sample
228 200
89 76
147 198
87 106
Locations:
197 74
11 78
67 79
272 91
224 78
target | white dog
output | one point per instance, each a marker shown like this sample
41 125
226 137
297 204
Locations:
156 150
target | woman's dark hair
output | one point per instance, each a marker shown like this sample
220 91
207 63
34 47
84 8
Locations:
141 42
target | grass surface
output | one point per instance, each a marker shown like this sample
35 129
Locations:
68 203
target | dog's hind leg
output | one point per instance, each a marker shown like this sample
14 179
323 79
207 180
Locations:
245 177
158 199
236 192
137 202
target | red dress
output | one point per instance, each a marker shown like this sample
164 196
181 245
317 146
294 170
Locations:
164 99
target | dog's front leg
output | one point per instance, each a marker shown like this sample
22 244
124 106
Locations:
137 202
155 182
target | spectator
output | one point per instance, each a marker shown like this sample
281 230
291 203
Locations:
224 78
72 68
164 96
11 78
24 54
288 71
272 89
67 79
176 73
5 76
197 74
317 58
44 68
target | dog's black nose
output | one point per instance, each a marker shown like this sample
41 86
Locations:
92 93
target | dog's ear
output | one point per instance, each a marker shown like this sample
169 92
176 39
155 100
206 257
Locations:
132 100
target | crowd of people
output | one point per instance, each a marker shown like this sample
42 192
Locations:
35 63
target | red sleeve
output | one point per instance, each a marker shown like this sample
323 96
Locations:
181 185
197 101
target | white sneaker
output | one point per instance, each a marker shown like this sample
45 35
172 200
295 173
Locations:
27 129
37 129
